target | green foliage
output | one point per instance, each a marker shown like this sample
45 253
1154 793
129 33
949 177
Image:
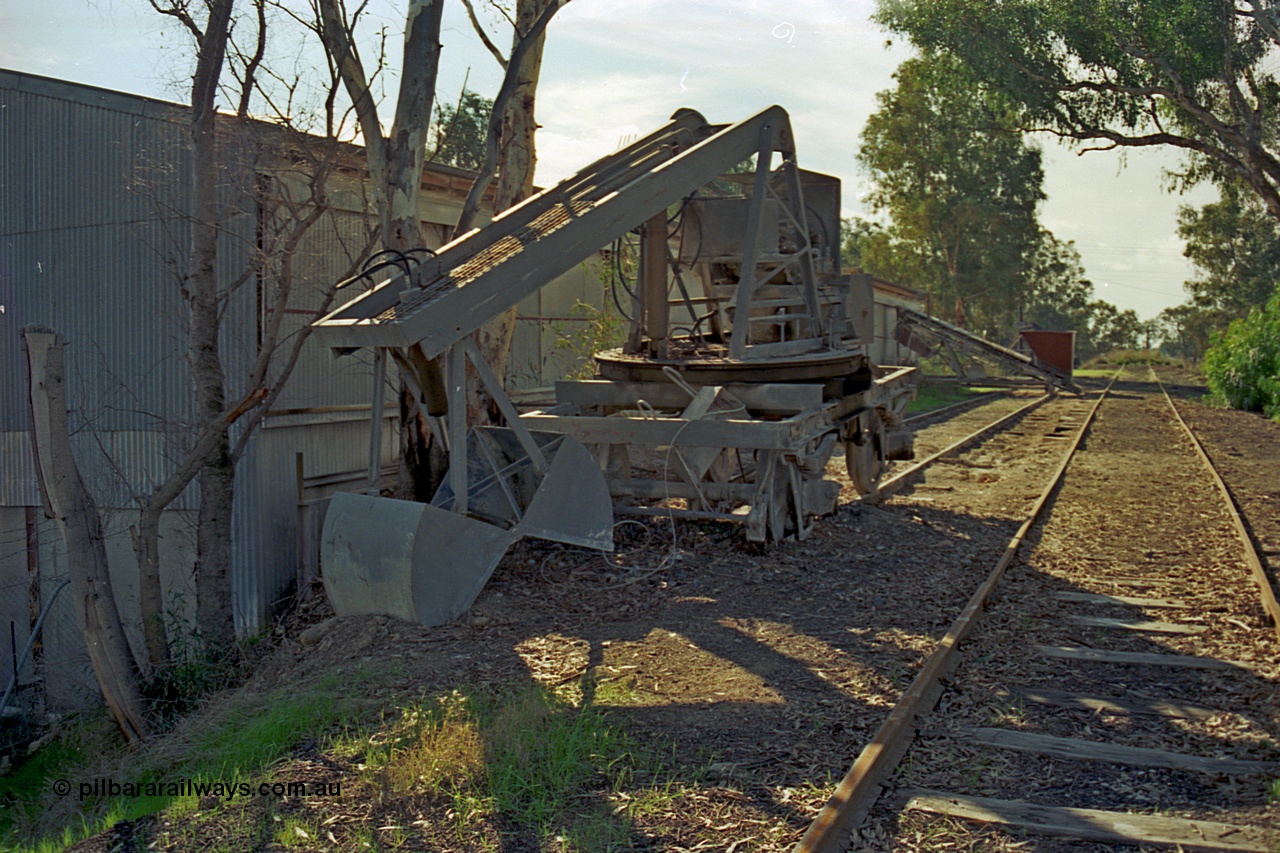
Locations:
541 752
1235 244
528 755
1109 329
596 330
1188 73
197 668
1243 365
930 396
1058 296
234 743
24 790
961 186
1121 357
1186 330
460 130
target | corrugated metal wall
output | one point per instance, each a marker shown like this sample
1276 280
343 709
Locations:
94 192
93 241
86 214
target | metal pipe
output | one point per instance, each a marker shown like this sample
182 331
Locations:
741 335
374 486
31 641
653 262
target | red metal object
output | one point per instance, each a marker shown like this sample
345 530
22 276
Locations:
1057 349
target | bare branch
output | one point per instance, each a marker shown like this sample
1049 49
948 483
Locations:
251 67
178 11
338 43
484 36
510 82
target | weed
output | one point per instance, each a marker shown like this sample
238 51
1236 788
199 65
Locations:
1273 793
294 832
247 736
1014 713
595 330
432 748
530 758
539 752
976 769
197 668
617 691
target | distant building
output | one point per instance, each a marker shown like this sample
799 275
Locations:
888 297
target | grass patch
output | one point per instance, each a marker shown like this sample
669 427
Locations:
1121 357
527 759
228 746
930 396
531 767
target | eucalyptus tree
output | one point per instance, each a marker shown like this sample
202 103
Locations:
1198 76
396 156
458 136
960 186
1235 246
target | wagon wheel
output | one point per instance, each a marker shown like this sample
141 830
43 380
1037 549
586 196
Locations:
780 501
863 462
786 509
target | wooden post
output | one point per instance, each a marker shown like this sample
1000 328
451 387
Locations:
68 500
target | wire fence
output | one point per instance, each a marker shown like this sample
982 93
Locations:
48 654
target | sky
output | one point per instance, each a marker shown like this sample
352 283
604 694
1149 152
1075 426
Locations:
616 69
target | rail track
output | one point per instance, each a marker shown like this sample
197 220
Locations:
1106 688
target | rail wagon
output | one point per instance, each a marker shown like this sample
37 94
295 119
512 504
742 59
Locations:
744 368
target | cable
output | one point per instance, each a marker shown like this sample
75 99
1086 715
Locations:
403 261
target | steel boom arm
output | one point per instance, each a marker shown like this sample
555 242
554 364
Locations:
479 275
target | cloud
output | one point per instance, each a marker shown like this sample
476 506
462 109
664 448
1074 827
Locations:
727 60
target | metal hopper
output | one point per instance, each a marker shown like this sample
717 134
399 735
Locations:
427 563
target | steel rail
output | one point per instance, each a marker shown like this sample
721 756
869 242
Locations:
861 786
1259 572
944 409
895 482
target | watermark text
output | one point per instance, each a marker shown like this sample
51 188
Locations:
228 790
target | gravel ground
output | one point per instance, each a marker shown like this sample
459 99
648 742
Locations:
1135 517
762 672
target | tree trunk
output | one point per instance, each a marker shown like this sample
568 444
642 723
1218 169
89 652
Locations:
215 612
146 545
66 499
395 170
517 162
213 532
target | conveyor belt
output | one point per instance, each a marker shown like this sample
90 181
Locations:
485 261
481 274
931 328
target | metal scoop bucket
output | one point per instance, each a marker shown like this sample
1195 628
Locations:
426 563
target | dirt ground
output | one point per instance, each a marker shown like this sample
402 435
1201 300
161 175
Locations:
760 673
